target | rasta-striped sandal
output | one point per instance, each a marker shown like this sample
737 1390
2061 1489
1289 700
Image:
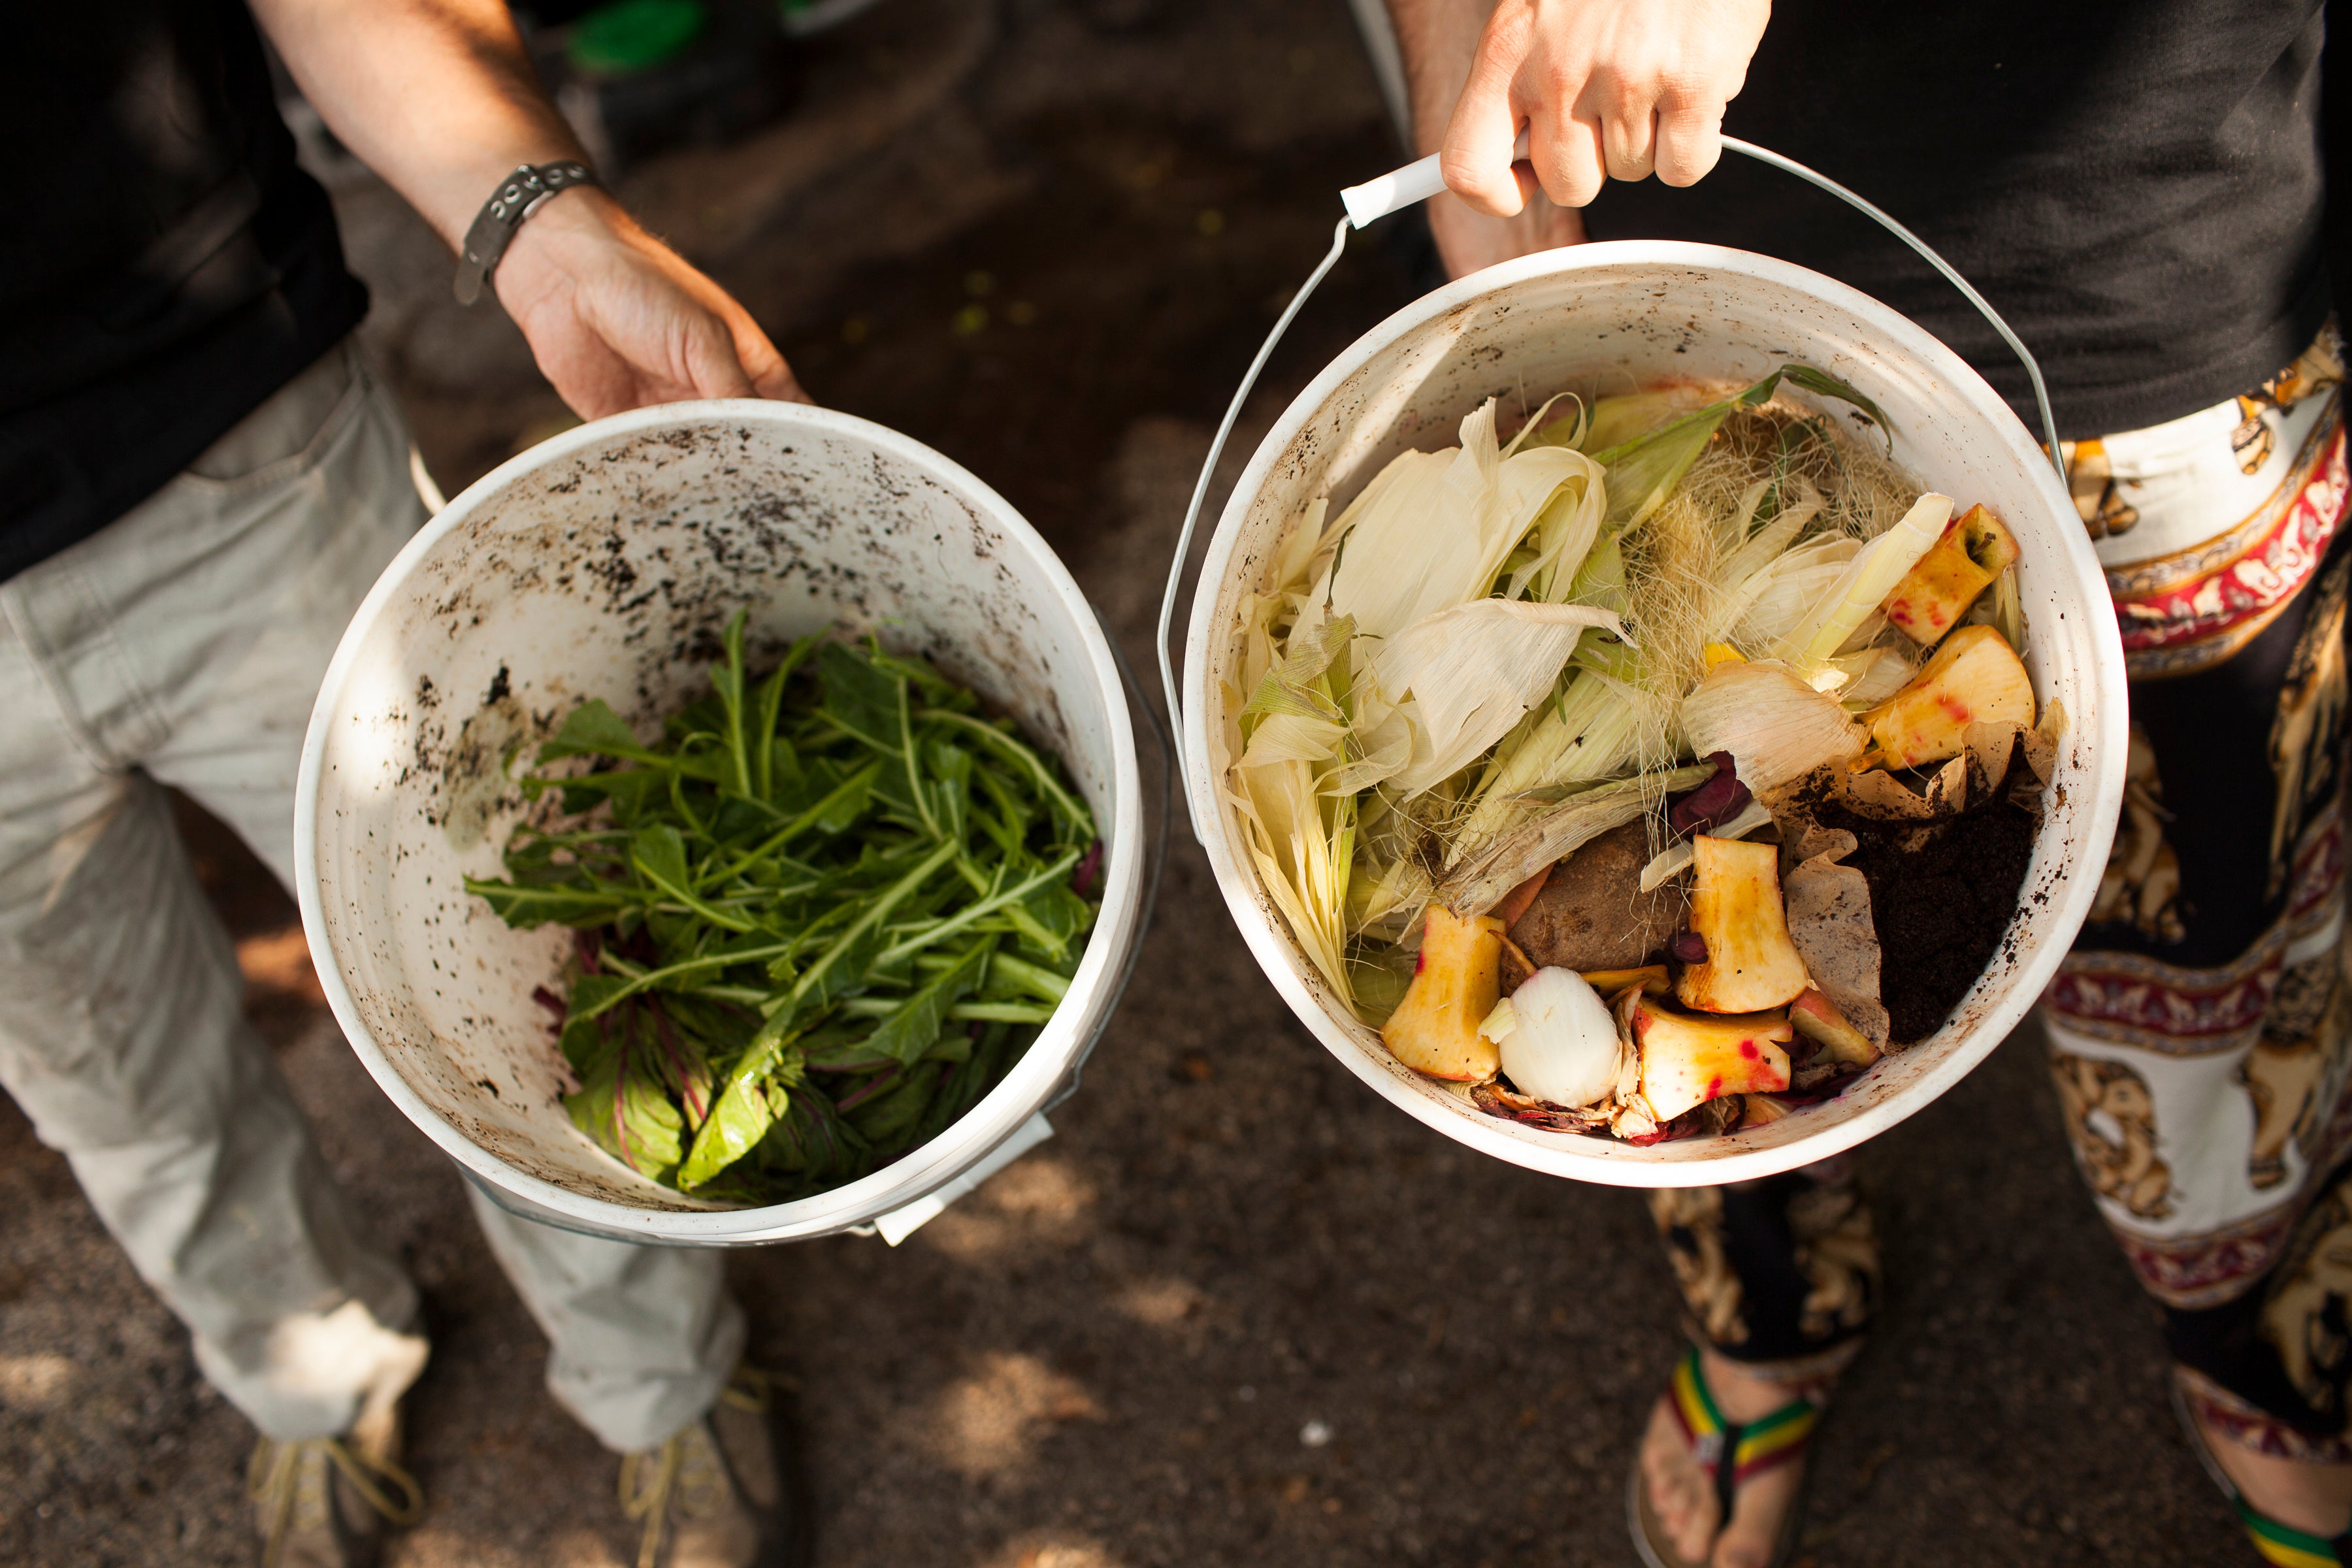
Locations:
2276 1543
1734 1452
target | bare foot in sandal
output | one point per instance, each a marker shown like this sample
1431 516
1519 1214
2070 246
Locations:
2313 1498
1681 1488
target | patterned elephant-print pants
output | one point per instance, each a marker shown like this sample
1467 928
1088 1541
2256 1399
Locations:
2201 1029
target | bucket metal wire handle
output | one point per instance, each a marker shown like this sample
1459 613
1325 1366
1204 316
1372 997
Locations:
1417 182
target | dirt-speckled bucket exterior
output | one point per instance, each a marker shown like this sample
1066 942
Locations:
603 563
1621 315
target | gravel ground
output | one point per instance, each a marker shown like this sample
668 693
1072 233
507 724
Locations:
1238 1310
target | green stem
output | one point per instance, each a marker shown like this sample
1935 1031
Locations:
1033 978
650 978
961 1012
914 765
802 823
873 916
708 911
987 906
1035 766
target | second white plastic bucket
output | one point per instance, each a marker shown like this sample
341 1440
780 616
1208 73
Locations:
1618 316
602 564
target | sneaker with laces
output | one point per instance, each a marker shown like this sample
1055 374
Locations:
726 1490
324 1502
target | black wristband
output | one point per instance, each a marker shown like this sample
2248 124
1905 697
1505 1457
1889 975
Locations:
519 195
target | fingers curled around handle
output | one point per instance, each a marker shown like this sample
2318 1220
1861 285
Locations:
1567 155
1689 138
1479 153
1627 124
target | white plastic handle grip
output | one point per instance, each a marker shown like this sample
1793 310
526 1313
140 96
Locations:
1393 192
1401 188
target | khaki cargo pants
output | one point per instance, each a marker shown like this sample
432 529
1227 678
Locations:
183 645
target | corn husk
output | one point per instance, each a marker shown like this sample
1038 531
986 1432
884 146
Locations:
1867 579
1786 591
1293 737
1565 532
1302 843
1591 733
2008 609
1871 676
1671 861
1774 724
1623 418
1472 671
1300 839
1478 884
1644 468
1288 568
1434 529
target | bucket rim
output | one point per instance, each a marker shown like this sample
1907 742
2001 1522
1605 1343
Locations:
1610 1163
1057 1052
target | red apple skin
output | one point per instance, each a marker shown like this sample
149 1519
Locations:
1690 1058
1941 586
1816 1017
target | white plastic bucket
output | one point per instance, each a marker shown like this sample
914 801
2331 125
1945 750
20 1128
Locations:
1620 315
603 563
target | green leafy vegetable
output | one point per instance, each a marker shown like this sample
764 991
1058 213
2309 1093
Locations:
819 918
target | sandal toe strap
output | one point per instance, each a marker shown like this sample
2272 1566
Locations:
2284 1547
1737 1451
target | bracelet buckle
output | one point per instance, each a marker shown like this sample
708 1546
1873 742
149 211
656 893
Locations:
530 187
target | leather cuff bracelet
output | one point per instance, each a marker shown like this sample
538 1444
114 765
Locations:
519 195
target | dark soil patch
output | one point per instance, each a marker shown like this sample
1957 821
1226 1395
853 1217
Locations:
1942 896
1137 278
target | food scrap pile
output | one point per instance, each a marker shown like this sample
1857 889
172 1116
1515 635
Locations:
1652 773
819 918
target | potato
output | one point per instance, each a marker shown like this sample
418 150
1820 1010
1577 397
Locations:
1592 913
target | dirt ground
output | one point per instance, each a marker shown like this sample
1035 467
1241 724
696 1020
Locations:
1238 1311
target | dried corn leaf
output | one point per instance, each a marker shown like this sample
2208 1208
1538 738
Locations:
1474 671
1479 883
1775 726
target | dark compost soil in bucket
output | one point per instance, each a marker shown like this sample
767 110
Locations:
1942 896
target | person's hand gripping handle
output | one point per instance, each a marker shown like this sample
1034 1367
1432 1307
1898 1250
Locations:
1612 90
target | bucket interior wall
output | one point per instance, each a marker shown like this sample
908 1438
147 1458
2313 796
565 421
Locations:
607 571
1621 317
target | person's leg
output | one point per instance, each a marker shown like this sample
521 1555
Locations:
2200 1033
1778 1278
121 1028
643 1338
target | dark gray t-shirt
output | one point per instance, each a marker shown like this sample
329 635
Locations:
164 264
2137 186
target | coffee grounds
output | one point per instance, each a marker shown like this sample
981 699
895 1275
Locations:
1942 896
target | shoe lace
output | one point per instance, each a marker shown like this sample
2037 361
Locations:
750 1389
648 1499
274 1479
651 1477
